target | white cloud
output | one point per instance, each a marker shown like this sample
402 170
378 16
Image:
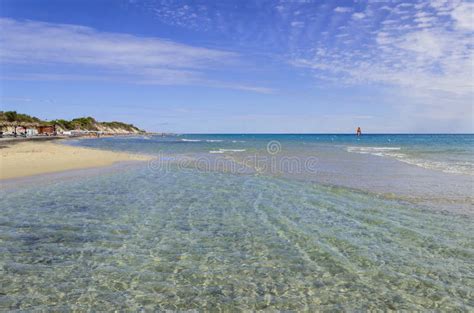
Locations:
464 16
424 56
422 60
32 41
358 16
424 20
444 5
427 44
342 9
110 56
15 99
297 24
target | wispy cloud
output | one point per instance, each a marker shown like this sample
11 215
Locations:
342 9
423 49
109 56
15 99
464 16
416 56
358 16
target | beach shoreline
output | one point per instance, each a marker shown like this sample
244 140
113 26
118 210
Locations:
29 158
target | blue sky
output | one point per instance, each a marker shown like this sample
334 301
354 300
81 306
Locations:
242 66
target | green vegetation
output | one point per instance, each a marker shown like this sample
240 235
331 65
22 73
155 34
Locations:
83 123
13 116
87 123
67 125
120 125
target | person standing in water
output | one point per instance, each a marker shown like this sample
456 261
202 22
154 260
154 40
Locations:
358 131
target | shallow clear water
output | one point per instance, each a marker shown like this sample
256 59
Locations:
448 153
433 170
146 238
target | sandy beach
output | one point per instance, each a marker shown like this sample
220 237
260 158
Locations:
33 158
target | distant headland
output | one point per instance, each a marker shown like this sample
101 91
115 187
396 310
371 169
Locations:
18 124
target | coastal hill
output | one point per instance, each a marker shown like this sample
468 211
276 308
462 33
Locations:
9 119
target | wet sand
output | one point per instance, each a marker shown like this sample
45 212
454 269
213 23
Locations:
32 158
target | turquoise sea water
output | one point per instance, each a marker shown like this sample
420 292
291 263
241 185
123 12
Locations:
447 153
341 231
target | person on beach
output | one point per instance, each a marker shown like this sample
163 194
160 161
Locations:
359 131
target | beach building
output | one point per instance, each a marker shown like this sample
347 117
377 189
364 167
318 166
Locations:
46 130
31 132
27 130
18 128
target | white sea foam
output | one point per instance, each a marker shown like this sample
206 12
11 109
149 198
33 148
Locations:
394 152
371 150
191 140
441 166
232 150
227 150
214 140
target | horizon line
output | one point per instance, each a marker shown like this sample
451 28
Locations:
418 133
